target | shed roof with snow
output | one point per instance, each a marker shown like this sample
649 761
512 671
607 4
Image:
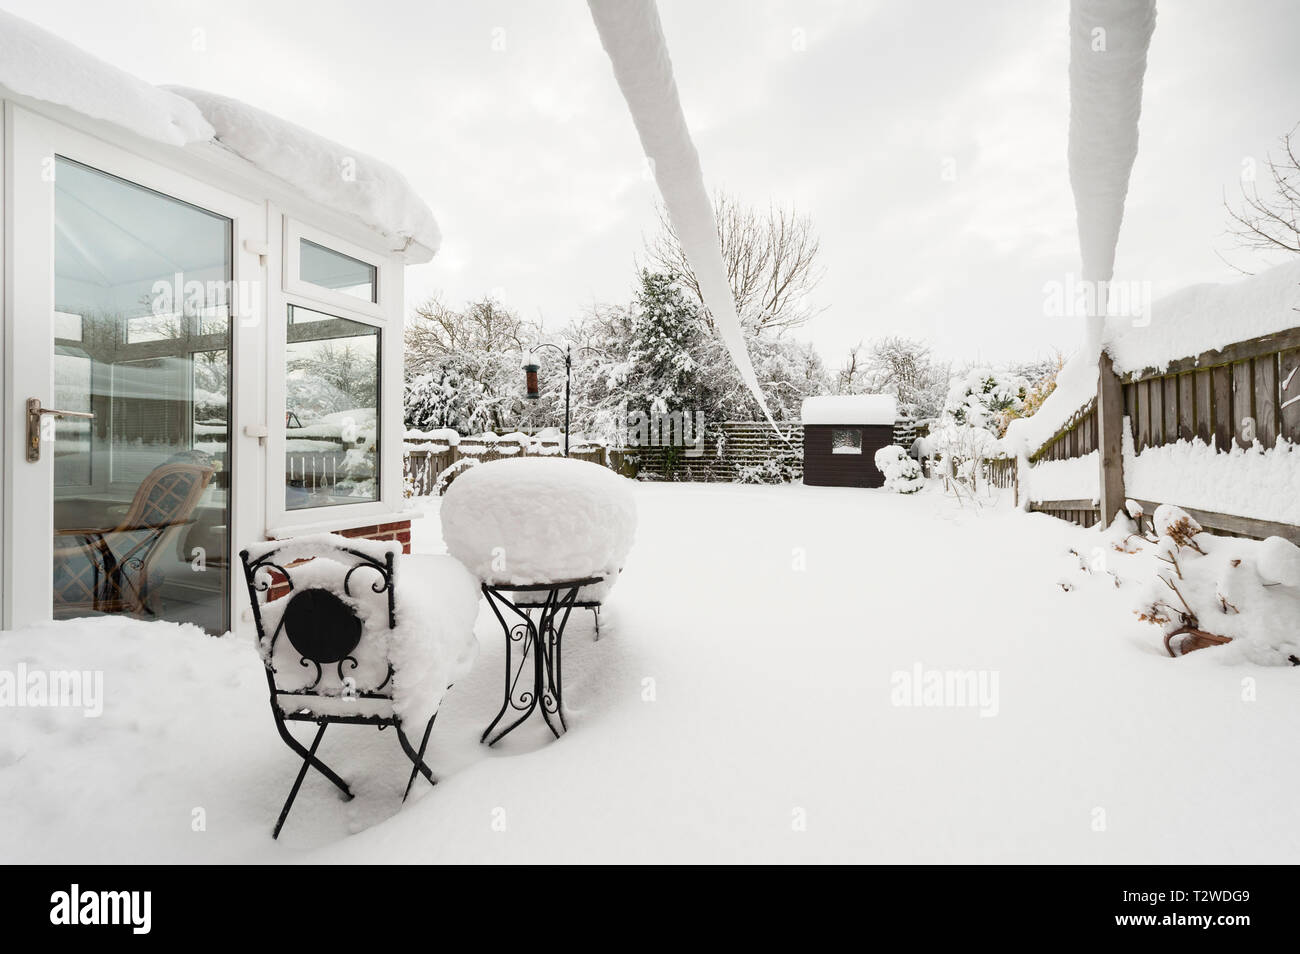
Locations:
858 409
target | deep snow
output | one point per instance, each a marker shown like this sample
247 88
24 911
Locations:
739 706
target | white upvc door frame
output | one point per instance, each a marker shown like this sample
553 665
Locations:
31 142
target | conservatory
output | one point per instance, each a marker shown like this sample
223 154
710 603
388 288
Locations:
202 347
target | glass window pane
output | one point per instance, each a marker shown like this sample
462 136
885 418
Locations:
330 269
331 411
141 340
846 440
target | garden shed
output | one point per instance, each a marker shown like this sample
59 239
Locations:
841 434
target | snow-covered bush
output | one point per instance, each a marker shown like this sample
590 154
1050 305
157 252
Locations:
1247 591
782 466
902 474
983 398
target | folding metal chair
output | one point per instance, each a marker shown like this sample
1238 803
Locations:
324 632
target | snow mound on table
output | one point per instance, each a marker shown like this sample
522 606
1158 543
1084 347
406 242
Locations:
541 520
432 645
40 65
324 171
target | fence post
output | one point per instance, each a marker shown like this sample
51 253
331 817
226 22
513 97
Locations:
1110 439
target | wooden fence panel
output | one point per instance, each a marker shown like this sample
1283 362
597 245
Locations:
1205 405
1266 399
1289 390
1243 393
1157 412
1171 410
1186 407
1223 429
1144 414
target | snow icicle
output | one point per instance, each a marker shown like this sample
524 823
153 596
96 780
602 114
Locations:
633 37
1108 59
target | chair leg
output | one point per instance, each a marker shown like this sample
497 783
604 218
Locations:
309 757
417 758
297 783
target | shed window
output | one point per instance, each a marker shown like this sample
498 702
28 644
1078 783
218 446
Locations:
846 440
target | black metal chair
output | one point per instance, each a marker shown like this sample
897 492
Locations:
324 633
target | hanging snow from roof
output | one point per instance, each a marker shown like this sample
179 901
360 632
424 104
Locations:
343 179
1108 59
40 65
633 37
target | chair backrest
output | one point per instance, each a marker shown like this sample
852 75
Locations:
169 493
323 629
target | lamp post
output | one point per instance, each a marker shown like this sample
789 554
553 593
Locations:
533 392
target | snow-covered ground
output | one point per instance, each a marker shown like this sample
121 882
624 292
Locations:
740 706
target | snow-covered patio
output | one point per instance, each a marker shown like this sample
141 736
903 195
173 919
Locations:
743 704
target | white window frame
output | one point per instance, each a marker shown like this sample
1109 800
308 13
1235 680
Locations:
294 233
385 315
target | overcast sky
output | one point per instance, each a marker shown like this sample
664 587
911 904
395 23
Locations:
506 117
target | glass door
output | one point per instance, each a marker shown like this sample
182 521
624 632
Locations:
120 497
142 291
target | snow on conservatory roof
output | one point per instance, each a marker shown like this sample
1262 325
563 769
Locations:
39 65
850 409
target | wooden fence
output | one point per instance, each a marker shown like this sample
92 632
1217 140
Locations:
1246 391
725 449
423 465
1219 396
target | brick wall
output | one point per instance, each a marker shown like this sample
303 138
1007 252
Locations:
399 530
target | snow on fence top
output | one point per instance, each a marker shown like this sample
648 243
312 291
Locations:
1185 324
39 65
1206 317
850 409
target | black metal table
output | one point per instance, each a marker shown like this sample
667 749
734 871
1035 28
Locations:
539 640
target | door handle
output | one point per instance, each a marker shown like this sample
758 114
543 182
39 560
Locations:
34 414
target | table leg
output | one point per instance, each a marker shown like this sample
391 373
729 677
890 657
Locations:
523 634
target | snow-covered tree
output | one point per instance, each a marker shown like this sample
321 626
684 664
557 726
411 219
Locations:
665 332
982 397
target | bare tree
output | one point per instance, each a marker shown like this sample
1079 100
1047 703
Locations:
903 367
771 262
436 330
1271 221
